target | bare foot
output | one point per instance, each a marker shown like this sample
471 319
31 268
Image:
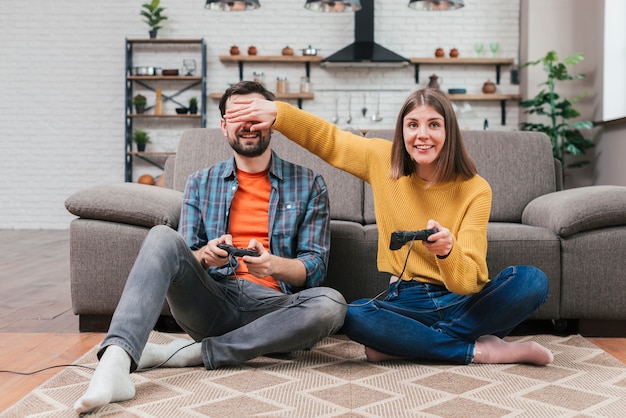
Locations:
374 356
109 383
490 349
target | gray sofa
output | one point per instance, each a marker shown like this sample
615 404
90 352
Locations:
577 236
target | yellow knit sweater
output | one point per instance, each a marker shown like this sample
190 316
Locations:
462 206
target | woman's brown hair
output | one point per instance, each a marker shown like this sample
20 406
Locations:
453 160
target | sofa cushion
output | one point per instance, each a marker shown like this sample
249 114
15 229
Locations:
580 209
519 166
127 203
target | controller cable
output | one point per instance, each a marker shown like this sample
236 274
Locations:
232 265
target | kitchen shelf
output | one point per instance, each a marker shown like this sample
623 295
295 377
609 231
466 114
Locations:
489 97
307 60
288 59
497 62
279 96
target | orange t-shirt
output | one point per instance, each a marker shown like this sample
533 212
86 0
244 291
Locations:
249 218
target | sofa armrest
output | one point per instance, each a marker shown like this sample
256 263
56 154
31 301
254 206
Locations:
128 203
568 212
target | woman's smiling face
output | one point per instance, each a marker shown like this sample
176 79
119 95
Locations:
424 134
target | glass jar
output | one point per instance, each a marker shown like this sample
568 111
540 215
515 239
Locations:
259 77
305 85
281 85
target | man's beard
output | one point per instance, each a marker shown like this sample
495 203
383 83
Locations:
239 145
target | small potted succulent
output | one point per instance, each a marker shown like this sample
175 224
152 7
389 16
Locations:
193 105
141 138
152 11
140 102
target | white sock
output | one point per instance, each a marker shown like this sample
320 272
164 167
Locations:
155 354
110 382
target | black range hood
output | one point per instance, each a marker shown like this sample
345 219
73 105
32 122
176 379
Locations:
364 52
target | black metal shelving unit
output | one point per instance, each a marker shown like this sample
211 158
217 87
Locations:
150 82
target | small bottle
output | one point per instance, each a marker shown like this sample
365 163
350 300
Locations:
305 85
281 85
158 106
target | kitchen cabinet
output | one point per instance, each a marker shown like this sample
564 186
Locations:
305 60
496 62
181 83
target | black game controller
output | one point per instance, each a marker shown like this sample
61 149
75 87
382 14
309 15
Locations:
399 238
238 252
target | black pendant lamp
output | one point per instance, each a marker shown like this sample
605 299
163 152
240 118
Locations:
436 4
232 6
333 6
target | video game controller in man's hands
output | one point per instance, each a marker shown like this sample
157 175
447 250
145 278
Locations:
399 238
238 252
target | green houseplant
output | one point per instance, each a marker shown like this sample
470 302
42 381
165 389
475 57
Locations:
565 136
193 105
140 102
141 138
153 13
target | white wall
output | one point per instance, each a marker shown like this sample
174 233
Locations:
62 79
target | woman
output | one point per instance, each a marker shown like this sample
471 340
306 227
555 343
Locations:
441 304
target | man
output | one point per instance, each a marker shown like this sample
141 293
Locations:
234 308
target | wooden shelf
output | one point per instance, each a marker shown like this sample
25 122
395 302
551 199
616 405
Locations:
281 96
485 97
502 98
271 58
497 62
463 61
285 59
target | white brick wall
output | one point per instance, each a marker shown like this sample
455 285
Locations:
62 80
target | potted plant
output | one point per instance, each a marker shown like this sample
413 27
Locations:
566 137
140 102
141 138
193 105
153 13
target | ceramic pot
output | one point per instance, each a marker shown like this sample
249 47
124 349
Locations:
440 53
252 50
454 53
287 51
434 81
489 87
234 50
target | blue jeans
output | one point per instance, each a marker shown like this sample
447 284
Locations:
424 321
235 319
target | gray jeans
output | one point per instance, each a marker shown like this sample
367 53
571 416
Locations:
235 319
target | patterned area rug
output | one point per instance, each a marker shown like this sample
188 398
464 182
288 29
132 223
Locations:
334 380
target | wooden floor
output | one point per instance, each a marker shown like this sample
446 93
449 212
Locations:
37 326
